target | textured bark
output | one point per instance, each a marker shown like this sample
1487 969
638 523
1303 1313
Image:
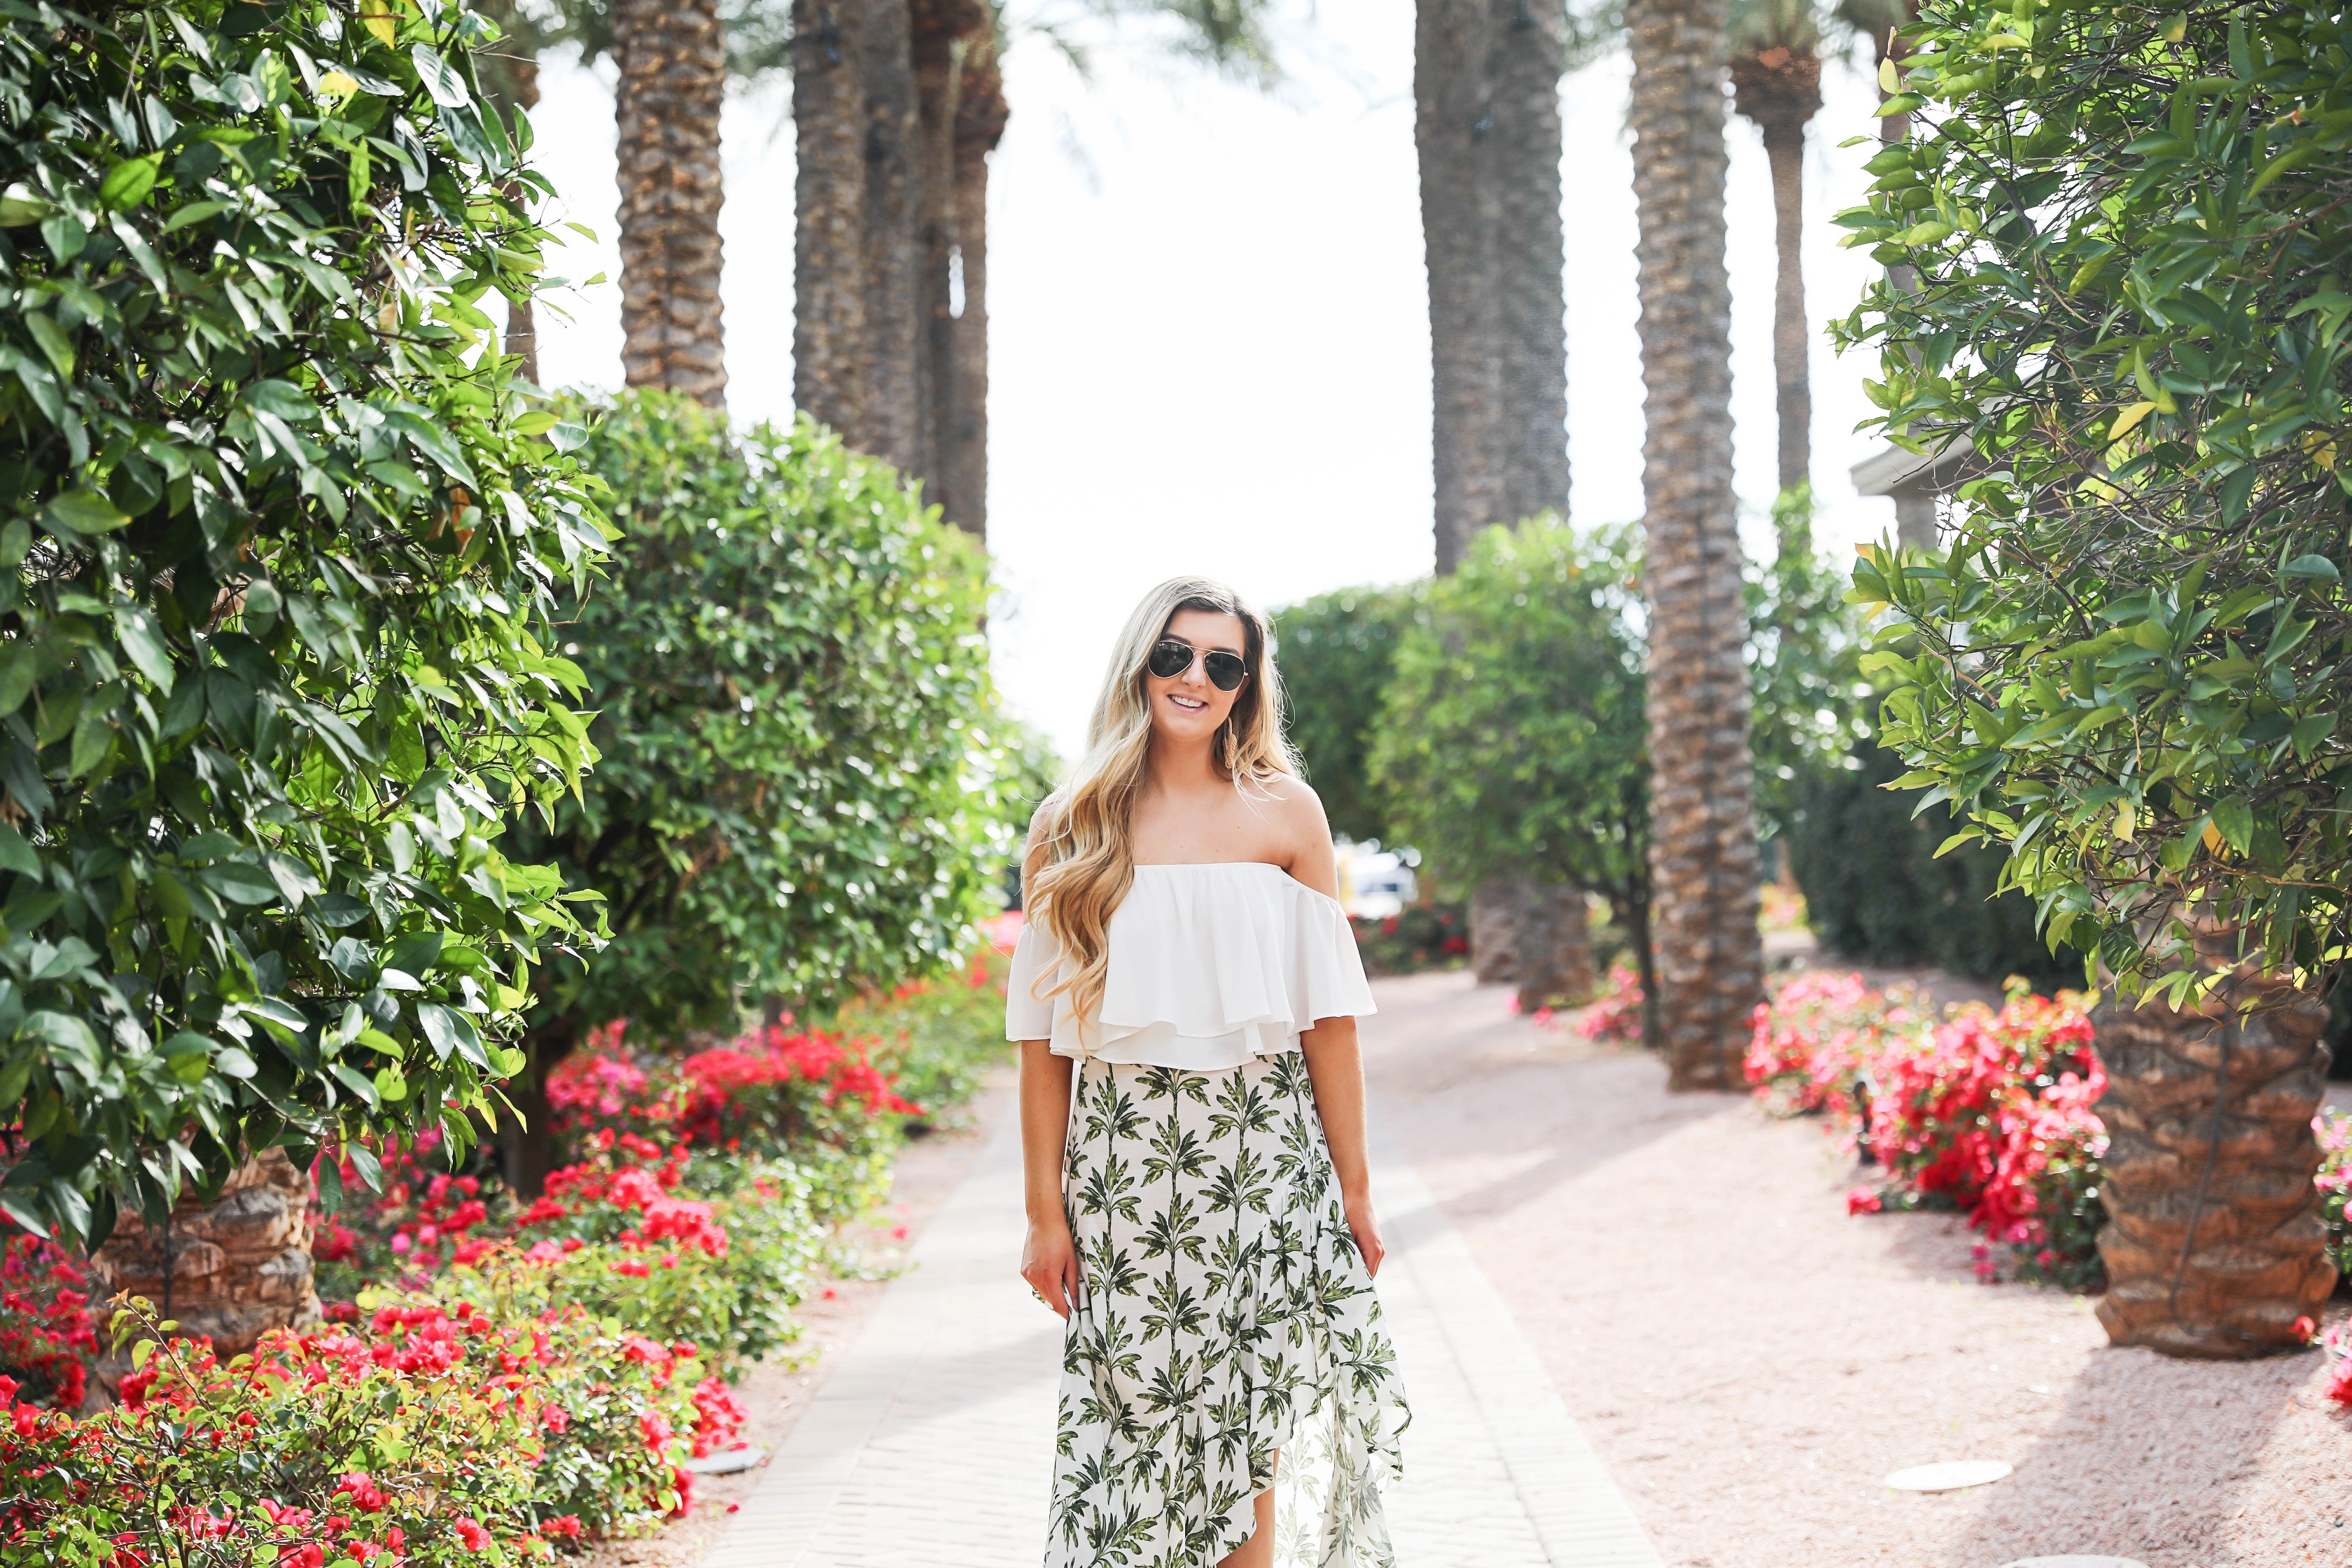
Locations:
1495 934
673 81
1459 221
2213 1243
1780 90
1535 935
231 1269
962 462
1704 860
1555 947
935 52
890 421
829 212
508 72
1528 50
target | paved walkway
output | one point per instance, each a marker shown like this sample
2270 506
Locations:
931 1441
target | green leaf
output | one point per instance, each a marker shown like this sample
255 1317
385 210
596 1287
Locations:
18 667
2233 819
142 639
2313 568
446 86
127 184
16 855
84 512
52 340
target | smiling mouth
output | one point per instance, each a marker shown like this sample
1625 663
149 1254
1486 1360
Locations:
1187 703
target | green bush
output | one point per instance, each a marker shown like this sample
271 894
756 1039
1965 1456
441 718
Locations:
1512 740
1876 893
801 751
2126 231
280 539
1336 653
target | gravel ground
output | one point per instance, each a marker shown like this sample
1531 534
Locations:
775 1393
1751 1362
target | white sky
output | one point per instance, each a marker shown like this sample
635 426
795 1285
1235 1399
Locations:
1209 331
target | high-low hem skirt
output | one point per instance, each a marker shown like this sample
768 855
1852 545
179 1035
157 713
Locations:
1227 1335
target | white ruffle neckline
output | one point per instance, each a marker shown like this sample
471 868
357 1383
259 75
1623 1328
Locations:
1212 963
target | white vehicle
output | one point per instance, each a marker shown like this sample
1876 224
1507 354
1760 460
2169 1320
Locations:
1375 883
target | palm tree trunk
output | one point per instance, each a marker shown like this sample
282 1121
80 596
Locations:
673 64
1780 90
1527 52
829 212
231 1269
1459 220
1784 146
510 74
962 463
891 425
2213 1244
1709 952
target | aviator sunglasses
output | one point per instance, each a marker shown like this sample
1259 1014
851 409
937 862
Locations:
1171 657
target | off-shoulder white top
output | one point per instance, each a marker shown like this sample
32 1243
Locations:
1210 966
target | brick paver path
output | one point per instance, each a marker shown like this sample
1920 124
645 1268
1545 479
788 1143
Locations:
930 1440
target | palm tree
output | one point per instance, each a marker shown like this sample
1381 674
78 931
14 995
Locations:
898 105
1776 80
1710 957
1487 127
1453 96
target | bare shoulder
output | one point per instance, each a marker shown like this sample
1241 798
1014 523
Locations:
1297 809
1305 833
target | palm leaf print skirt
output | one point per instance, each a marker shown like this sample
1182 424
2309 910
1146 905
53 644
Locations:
1227 1322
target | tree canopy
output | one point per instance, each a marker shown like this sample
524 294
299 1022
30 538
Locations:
801 751
279 543
2129 231
1336 652
1512 741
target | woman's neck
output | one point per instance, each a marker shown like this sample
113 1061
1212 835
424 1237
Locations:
1182 768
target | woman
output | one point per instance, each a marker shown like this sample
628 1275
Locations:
1199 1210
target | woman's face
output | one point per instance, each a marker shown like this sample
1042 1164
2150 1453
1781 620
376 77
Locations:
1188 706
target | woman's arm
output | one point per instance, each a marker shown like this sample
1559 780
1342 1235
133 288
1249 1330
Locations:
1337 1067
1049 1258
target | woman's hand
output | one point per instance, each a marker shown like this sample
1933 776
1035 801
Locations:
1049 1262
1365 1225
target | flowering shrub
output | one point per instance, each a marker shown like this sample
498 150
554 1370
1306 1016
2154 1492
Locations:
2335 1183
1811 1044
497 1380
319 1448
46 1334
1416 938
769 1090
1617 1016
938 1039
1989 1113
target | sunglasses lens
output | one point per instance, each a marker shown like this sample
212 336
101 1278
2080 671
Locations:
1225 670
1169 659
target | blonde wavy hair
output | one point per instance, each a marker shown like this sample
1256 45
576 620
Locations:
1081 859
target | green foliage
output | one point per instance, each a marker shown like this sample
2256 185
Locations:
1336 653
800 742
1803 655
1512 740
279 541
1875 891
2129 229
